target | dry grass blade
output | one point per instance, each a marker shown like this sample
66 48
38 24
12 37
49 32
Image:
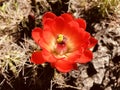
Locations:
12 13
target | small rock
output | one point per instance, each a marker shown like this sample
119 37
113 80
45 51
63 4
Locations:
88 83
108 88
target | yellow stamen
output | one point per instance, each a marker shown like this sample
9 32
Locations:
60 38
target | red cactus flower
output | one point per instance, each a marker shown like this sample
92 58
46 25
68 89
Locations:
64 42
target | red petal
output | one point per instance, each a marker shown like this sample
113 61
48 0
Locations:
85 57
55 26
36 34
72 30
75 35
48 23
59 25
37 58
40 57
93 42
49 39
48 15
64 66
82 23
72 57
85 40
48 57
75 66
67 17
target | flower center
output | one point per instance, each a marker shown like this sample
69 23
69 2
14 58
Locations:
60 39
61 47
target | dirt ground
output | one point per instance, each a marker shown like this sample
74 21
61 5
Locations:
16 46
